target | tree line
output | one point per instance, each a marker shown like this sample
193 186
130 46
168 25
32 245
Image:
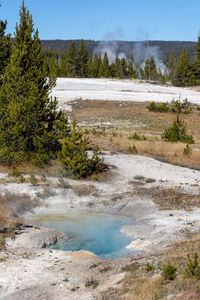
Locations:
183 70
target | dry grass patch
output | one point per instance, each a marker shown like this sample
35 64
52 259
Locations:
84 189
175 199
143 122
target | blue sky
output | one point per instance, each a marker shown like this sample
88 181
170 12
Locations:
109 19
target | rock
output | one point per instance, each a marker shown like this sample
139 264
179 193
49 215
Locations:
36 238
140 245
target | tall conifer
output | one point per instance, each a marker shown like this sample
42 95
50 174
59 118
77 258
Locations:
183 70
30 124
5 47
70 60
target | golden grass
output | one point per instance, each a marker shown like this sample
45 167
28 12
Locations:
128 118
169 198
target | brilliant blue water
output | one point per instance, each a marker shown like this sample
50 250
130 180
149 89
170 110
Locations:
97 233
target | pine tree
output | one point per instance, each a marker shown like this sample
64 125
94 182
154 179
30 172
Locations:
183 70
95 67
63 67
113 70
118 73
30 123
196 64
74 154
70 60
150 71
81 61
54 68
130 70
124 68
171 66
5 47
106 67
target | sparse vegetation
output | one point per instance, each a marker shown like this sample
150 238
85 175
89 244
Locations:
177 132
131 268
14 172
137 137
163 107
193 266
187 150
92 283
149 267
178 106
169 271
132 149
33 179
175 106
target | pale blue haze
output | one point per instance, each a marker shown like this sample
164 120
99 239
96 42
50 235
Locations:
113 19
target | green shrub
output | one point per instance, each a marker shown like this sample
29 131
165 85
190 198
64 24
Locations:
193 266
176 106
21 179
181 107
169 272
132 149
63 184
177 132
131 268
137 137
14 172
114 134
163 107
43 178
198 107
74 155
91 283
187 150
33 179
149 267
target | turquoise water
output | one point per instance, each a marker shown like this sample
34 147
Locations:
97 233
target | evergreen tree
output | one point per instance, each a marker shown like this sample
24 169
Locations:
177 132
183 70
171 66
70 61
74 155
106 67
63 67
30 124
90 66
5 47
196 64
95 66
81 61
113 70
54 68
124 69
117 67
150 71
130 70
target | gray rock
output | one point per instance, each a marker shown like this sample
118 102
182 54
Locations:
40 237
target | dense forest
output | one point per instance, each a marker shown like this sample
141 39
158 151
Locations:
76 61
161 61
165 47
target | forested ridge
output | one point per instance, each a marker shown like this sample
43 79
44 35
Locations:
127 47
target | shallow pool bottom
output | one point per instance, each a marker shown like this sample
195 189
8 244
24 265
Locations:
96 233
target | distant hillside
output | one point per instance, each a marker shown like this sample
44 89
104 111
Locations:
129 48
